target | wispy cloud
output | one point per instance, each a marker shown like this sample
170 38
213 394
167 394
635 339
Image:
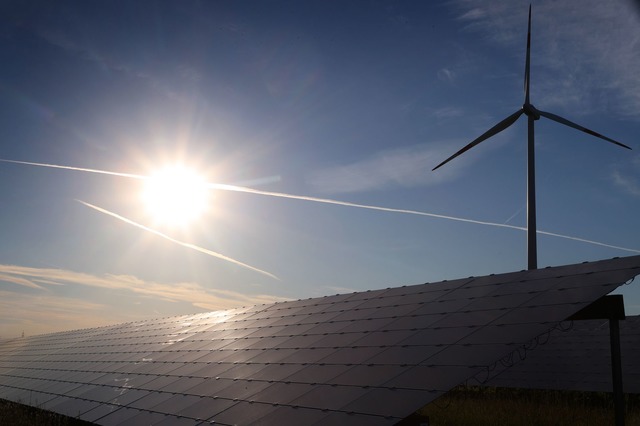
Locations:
110 63
406 167
56 312
627 176
447 75
185 292
626 183
46 313
583 58
448 112
181 243
19 281
473 14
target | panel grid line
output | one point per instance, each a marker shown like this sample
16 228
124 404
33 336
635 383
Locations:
364 358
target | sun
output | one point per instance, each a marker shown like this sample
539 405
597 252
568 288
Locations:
175 196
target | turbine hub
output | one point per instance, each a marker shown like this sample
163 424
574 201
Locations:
531 111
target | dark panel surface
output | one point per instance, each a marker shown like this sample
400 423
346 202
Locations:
365 358
578 359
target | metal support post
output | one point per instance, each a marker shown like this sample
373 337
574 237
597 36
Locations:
610 308
616 371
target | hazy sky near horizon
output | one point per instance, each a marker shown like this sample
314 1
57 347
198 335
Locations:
354 102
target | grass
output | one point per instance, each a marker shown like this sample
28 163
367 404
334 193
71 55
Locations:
462 406
467 405
15 414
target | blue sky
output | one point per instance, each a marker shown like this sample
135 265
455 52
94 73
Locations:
321 99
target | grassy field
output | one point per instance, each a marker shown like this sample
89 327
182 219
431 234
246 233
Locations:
14 414
523 407
462 406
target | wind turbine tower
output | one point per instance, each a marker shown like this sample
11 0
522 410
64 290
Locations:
532 114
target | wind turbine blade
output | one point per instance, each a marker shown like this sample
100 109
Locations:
579 127
527 62
491 132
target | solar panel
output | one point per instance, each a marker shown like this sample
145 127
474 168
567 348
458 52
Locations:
578 359
365 358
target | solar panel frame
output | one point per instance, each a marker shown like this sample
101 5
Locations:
361 358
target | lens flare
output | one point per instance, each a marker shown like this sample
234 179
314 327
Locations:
175 196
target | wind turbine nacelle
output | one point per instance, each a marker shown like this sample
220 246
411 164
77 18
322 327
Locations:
531 111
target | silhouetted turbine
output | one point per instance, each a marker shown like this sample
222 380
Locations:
532 114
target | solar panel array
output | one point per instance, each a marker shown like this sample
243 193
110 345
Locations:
578 359
366 358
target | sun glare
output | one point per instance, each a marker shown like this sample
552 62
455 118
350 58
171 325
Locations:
175 196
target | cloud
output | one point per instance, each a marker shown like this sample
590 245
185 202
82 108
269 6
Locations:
185 292
91 54
405 167
20 281
38 314
473 14
446 75
49 311
583 58
627 176
628 184
448 112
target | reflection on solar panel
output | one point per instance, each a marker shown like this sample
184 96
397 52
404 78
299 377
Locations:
364 358
578 359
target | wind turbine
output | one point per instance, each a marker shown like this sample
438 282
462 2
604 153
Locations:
532 114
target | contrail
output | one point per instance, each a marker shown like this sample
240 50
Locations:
415 212
553 234
79 169
182 243
224 187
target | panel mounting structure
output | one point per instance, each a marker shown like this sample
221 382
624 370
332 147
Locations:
578 359
366 358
